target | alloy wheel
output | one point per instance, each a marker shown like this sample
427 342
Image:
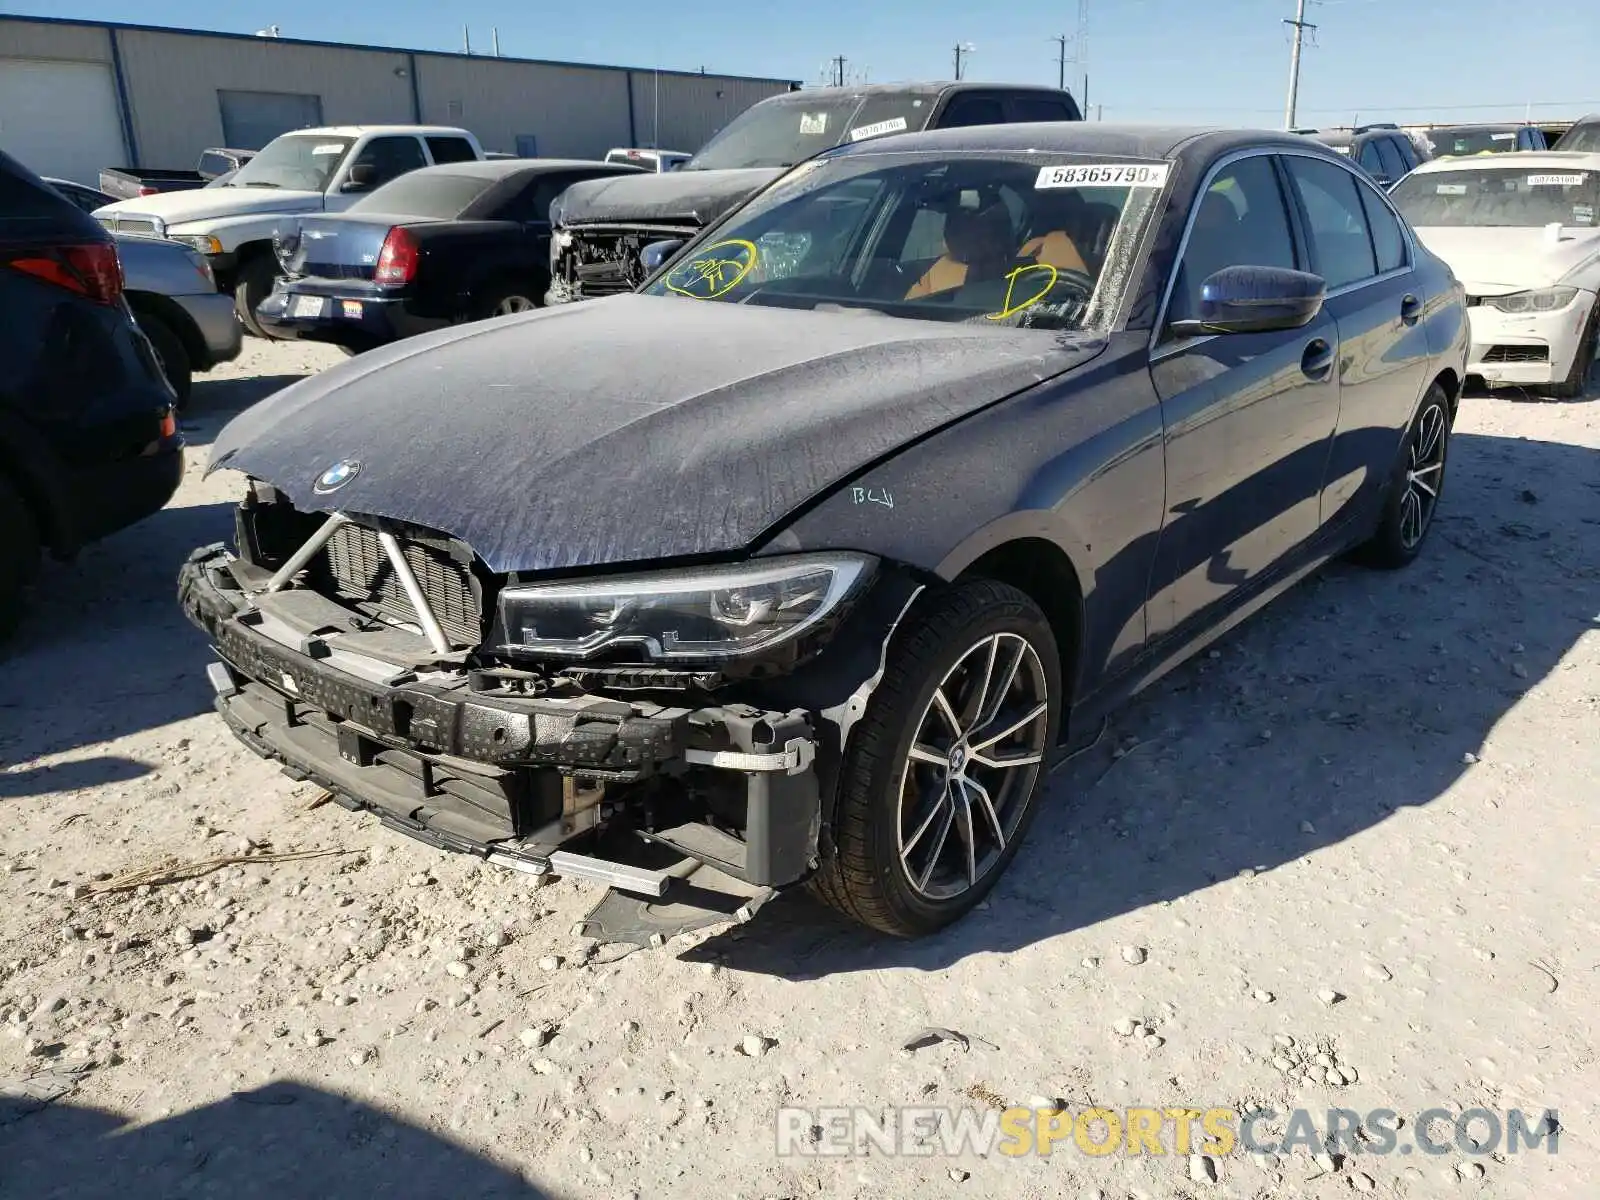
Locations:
1424 475
513 304
972 766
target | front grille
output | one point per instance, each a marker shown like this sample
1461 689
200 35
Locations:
361 573
1517 354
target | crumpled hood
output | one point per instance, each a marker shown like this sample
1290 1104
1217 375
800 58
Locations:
629 428
1493 260
690 197
206 204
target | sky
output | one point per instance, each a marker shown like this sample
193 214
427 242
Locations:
1226 62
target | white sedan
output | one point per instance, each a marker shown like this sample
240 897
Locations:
1522 233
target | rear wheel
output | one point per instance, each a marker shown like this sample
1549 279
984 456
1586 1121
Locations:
1415 489
939 781
19 554
174 359
254 284
504 300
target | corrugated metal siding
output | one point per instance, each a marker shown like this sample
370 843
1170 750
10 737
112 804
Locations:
173 81
692 107
574 112
78 43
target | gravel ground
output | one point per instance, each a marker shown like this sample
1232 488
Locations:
1363 824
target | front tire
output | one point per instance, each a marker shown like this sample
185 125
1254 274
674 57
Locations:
1415 488
1578 376
254 284
939 781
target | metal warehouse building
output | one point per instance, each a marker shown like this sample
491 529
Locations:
76 96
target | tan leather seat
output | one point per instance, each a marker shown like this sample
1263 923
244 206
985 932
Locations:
1055 249
975 245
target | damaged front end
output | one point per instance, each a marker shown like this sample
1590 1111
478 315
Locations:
590 261
370 657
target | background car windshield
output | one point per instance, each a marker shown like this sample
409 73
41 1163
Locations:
780 135
424 194
304 162
1458 142
1528 197
1018 241
1581 137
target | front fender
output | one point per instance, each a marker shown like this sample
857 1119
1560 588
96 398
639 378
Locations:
235 232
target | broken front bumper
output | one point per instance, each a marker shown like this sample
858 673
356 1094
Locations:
513 778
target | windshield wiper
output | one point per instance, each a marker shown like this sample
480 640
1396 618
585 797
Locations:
259 183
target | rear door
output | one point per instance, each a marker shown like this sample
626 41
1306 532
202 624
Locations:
1359 247
1247 417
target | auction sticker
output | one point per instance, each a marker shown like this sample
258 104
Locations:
1147 175
877 128
1555 180
813 124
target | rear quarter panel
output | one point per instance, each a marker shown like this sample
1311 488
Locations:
462 258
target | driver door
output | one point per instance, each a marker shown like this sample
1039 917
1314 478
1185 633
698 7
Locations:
1248 417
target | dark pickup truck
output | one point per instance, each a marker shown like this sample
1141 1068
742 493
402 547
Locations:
435 247
127 183
601 228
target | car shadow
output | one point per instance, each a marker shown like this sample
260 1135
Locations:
1355 694
283 1141
104 649
215 402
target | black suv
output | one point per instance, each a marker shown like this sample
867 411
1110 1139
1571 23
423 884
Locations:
1383 151
88 438
601 228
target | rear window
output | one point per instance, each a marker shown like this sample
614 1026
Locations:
212 165
450 149
425 194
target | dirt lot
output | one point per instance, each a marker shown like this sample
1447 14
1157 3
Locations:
1364 823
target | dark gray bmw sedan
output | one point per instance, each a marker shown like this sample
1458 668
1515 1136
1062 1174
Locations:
806 560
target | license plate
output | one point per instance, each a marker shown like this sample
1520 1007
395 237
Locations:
306 306
351 309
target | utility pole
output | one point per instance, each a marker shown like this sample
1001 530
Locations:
838 61
466 39
1082 55
962 49
1300 26
494 33
1061 40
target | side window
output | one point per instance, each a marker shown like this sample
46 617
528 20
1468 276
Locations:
390 158
1393 165
1038 108
450 149
1368 158
1387 240
532 203
973 108
1341 247
1240 221
1407 153
925 238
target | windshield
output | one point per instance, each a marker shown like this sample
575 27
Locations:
1525 198
782 133
1455 143
425 194
1026 240
1581 137
304 162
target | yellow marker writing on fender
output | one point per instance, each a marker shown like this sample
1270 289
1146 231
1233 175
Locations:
716 275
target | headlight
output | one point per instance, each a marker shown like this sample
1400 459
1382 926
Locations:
557 208
1541 300
202 242
711 613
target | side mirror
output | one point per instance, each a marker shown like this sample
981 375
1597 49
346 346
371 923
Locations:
656 253
1255 300
361 177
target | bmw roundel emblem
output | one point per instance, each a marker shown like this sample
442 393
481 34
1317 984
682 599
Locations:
336 476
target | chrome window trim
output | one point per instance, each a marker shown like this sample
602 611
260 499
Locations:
1158 352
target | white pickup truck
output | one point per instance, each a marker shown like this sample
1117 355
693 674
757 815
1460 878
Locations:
231 221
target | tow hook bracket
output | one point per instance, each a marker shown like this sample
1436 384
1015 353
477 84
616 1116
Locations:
796 756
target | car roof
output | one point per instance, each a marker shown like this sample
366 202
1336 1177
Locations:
359 130
499 168
1522 160
1202 142
812 95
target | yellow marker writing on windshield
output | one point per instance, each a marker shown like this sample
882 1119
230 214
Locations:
706 276
1008 309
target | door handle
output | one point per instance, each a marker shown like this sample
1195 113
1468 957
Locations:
1317 361
1410 309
